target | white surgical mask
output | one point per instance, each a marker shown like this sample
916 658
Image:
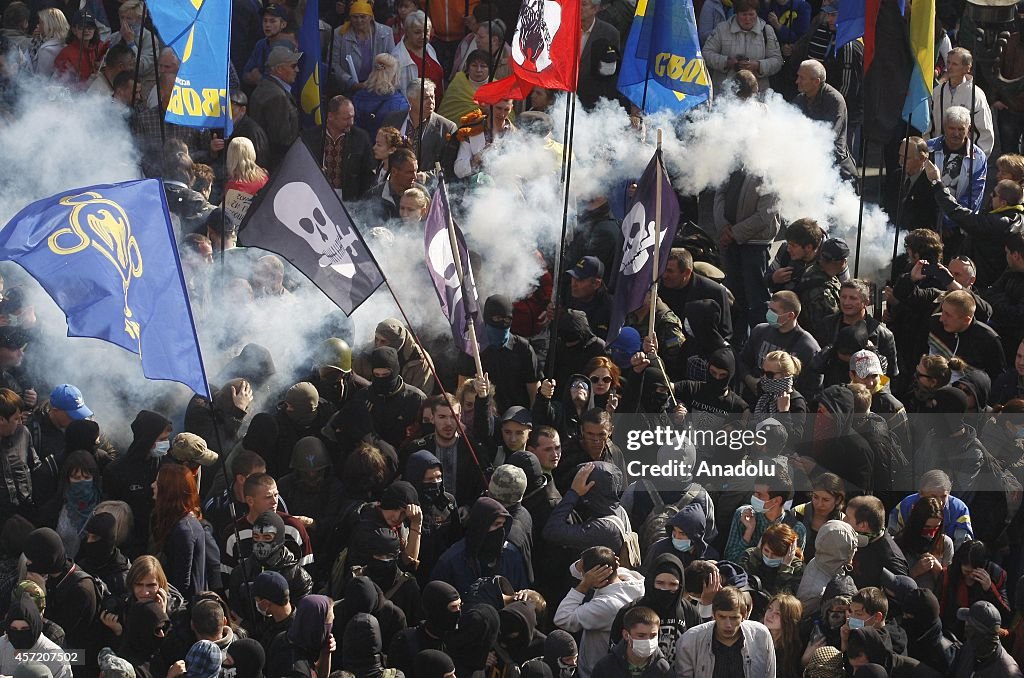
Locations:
644 648
161 448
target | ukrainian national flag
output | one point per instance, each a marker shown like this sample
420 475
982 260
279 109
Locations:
662 66
916 108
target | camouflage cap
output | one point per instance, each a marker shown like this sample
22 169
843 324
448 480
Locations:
508 484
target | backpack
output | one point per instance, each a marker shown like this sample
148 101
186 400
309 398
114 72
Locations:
994 475
99 587
653 527
892 469
629 555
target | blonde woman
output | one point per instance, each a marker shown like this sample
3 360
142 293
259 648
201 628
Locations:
380 95
776 392
413 207
245 178
51 34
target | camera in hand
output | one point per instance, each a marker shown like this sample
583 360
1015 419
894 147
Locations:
931 270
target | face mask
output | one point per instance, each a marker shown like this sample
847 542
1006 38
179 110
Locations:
776 386
21 639
983 643
772 317
497 336
490 547
836 619
929 533
161 448
757 504
658 400
771 562
265 613
683 545
565 670
382 572
606 68
644 648
855 623
80 492
264 551
432 491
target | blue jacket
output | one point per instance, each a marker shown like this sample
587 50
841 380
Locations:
967 191
185 557
458 570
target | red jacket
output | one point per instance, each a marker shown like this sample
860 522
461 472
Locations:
75 65
526 312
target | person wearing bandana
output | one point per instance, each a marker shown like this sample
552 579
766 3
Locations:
982 656
269 552
23 632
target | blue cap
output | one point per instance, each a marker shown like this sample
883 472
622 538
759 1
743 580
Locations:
69 399
587 267
272 586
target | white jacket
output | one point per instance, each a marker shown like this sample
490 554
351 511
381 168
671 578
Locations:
694 658
944 96
594 618
408 71
59 666
729 40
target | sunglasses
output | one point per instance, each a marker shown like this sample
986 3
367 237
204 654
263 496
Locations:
600 380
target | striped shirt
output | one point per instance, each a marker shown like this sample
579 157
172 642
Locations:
296 540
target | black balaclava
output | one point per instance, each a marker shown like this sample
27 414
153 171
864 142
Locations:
574 329
518 621
557 645
418 464
481 543
950 405
45 551
249 659
433 664
98 552
722 359
261 436
310 629
385 357
478 631
920 613
651 400
497 305
139 641
23 609
362 646
603 497
361 595
700 323
436 597
81 434
269 554
665 603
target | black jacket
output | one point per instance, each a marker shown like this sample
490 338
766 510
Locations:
978 346
701 288
1007 298
357 162
392 412
615 665
17 458
469 478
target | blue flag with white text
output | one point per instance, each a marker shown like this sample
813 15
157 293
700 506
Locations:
106 255
662 67
199 32
307 85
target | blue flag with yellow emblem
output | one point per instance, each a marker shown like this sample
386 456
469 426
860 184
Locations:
106 256
662 67
199 32
307 85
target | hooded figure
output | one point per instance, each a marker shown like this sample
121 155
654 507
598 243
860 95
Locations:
433 664
414 364
437 628
837 446
559 647
362 595
362 647
70 592
926 639
302 413
834 548
541 495
483 551
145 625
247 659
982 655
101 558
870 643
28 639
271 555
254 363
475 639
508 485
599 519
312 489
310 629
579 346
564 412
677 614
519 639
392 404
692 521
130 477
441 527
711 394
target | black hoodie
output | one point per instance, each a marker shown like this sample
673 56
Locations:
441 527
392 404
519 639
361 647
713 395
139 643
677 614
838 447
23 609
362 595
130 477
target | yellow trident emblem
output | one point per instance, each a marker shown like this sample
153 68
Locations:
187 53
112 237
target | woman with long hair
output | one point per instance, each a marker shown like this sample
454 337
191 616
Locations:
605 382
177 532
145 582
828 502
78 494
776 561
49 39
245 178
388 141
972 576
82 56
929 551
380 95
776 391
783 621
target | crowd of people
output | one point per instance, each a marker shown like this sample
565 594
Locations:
390 510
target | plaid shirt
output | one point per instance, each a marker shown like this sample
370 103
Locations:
735 547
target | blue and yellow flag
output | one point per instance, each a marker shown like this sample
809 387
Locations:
662 66
199 32
106 256
307 85
917 107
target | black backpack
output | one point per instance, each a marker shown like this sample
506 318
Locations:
653 527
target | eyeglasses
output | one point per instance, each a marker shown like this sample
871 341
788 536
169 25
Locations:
600 380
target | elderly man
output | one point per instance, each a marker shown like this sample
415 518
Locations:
427 130
345 151
959 90
914 206
819 100
964 167
272 105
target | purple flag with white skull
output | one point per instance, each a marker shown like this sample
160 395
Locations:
458 298
298 216
638 235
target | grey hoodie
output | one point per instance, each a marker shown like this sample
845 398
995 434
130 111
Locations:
833 550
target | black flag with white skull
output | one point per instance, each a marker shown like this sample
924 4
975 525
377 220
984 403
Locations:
298 216
638 234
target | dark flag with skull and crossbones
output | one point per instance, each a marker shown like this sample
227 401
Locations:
300 217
